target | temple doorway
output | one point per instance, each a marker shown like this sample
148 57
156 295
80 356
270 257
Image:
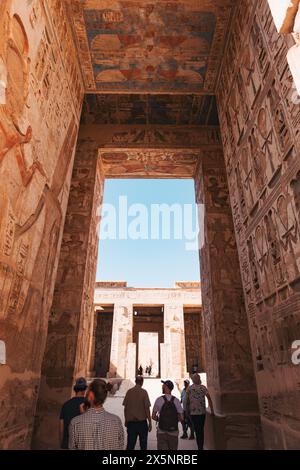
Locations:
148 334
148 347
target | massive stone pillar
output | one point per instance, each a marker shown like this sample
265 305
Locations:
229 364
121 339
40 105
260 122
173 353
130 365
68 341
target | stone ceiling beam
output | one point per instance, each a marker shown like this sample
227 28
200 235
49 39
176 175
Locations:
149 137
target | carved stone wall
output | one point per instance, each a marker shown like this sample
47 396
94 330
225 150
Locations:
260 123
194 340
103 343
229 365
70 323
41 98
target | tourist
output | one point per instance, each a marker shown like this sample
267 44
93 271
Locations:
167 411
187 423
70 410
140 370
137 415
149 371
195 407
96 429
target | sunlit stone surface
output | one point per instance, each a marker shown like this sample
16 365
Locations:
182 89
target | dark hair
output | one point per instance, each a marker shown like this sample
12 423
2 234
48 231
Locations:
139 380
78 389
100 389
80 385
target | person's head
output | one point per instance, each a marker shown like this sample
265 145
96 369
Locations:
97 392
186 383
196 379
139 380
80 386
167 387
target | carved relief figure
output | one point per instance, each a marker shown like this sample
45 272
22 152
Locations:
248 177
273 242
218 191
263 261
253 267
259 162
250 74
270 151
16 58
240 191
289 233
295 185
234 102
280 123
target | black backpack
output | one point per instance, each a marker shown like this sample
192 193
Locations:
168 416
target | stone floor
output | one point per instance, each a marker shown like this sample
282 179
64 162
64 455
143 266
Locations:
153 387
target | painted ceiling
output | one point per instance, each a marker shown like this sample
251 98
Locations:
134 46
150 109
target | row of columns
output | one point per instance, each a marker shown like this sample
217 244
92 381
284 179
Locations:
123 350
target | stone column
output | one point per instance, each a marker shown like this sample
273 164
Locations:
164 360
130 371
174 341
121 337
92 347
229 366
68 342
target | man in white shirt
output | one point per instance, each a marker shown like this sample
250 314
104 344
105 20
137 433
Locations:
168 412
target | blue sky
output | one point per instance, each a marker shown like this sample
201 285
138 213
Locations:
147 262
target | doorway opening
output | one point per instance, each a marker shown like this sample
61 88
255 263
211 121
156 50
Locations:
148 335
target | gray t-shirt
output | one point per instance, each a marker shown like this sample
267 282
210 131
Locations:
158 406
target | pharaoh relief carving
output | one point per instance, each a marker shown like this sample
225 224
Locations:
34 188
14 134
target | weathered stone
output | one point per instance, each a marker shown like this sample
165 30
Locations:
157 117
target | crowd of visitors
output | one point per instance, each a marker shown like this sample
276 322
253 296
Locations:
86 425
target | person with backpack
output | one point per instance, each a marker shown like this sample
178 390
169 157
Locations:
168 412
